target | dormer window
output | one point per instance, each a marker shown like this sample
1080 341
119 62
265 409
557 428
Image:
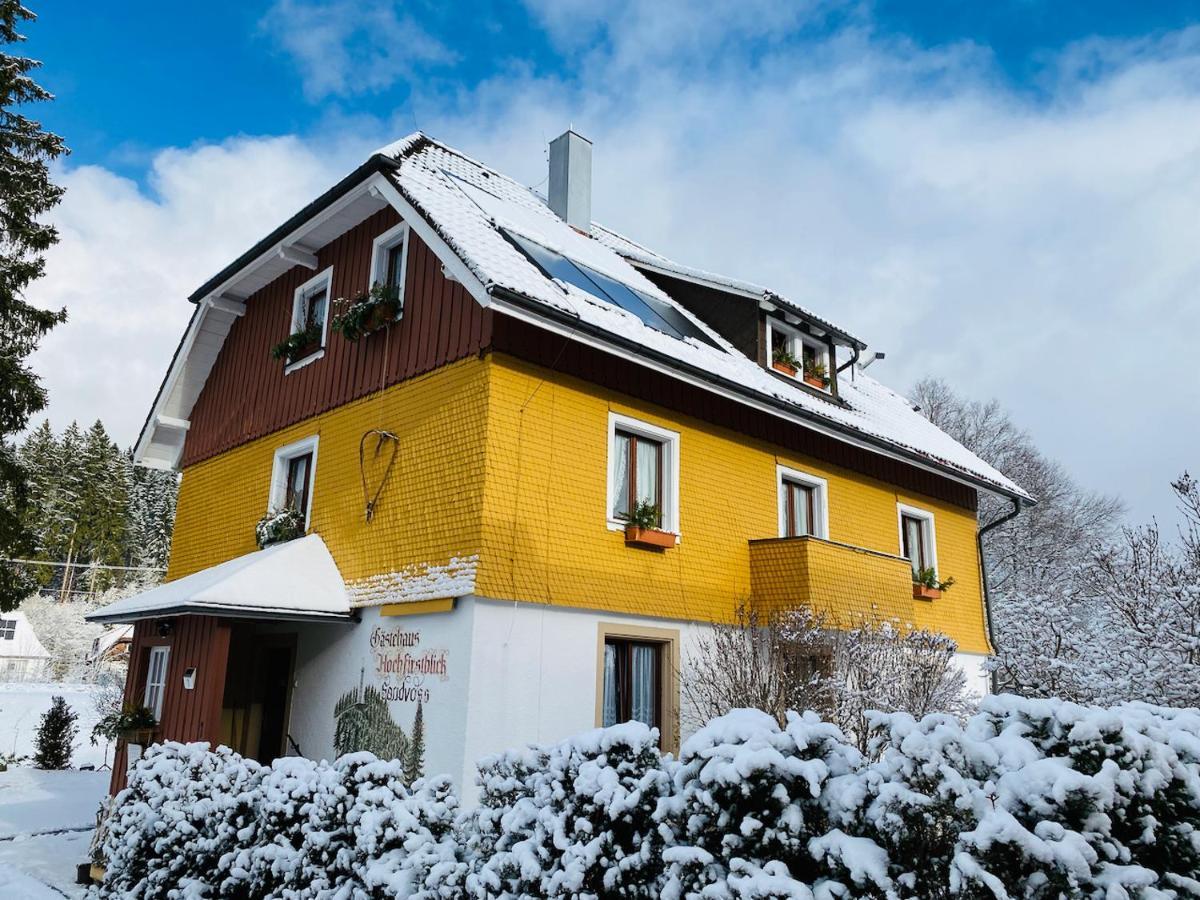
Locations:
798 355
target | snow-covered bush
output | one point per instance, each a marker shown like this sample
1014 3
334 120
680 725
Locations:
1030 798
572 819
748 805
1085 802
175 827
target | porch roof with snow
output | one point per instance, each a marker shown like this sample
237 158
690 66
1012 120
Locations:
469 214
295 581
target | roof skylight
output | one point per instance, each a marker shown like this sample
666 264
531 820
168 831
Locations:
657 314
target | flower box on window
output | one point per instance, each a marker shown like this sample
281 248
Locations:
368 313
278 526
786 368
299 344
926 585
637 536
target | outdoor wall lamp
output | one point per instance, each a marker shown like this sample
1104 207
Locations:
189 678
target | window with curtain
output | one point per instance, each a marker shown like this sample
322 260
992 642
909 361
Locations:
800 508
637 474
156 680
632 682
915 542
298 480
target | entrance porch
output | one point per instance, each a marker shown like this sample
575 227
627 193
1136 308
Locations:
214 654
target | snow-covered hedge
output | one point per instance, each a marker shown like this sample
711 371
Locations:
1030 798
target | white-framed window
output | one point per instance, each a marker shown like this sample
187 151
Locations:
310 313
803 503
293 475
389 261
809 355
156 680
643 467
918 538
8 629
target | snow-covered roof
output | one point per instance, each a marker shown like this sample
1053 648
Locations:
472 206
296 580
24 643
645 258
110 639
471 215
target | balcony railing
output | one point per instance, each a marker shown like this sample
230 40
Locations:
843 583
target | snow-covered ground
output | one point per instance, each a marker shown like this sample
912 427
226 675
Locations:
21 708
46 821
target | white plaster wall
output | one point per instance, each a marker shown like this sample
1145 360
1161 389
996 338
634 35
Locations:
979 682
534 675
333 659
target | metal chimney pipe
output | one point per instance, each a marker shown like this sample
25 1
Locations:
570 192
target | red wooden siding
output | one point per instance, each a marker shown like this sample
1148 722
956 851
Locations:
573 358
248 395
195 641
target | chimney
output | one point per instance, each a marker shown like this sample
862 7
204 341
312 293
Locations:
571 179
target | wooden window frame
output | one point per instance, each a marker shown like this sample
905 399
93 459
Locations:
302 294
668 470
631 496
928 533
281 468
668 660
818 497
625 677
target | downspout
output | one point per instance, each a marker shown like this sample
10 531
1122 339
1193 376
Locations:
987 593
853 359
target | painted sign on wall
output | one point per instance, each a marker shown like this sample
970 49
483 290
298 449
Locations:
404 673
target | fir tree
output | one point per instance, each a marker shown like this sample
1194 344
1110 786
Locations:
56 736
151 514
414 759
26 195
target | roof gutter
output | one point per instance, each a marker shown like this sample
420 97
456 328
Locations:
540 310
987 591
224 612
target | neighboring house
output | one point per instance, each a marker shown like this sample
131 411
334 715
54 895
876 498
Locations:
22 656
111 647
466 476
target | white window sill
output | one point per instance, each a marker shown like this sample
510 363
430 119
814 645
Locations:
301 363
621 524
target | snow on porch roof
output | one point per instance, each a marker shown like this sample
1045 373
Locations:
295 580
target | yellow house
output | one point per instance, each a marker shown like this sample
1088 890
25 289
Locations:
507 466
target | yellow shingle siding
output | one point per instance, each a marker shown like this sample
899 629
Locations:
509 461
545 536
429 511
845 584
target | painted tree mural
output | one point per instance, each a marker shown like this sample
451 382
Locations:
362 721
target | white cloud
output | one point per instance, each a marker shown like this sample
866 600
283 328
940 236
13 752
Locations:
343 47
1040 251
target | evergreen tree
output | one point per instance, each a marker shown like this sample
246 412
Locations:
414 757
151 517
102 507
56 736
26 195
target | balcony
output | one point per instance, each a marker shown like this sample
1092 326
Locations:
844 583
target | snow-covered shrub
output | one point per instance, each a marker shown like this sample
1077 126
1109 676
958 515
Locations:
177 825
1085 802
749 792
300 827
573 819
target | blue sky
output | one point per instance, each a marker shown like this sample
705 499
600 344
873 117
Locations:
1003 194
